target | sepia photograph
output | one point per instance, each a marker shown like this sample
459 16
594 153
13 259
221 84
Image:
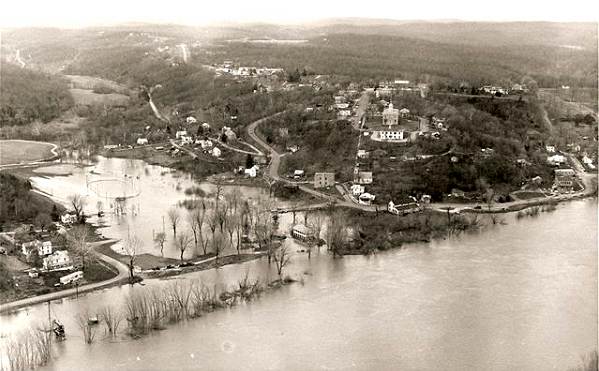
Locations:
307 185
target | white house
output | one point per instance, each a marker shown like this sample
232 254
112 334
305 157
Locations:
68 219
205 144
298 174
185 139
366 198
404 112
45 248
362 153
388 135
142 141
364 177
180 133
58 259
252 172
216 152
550 149
357 189
191 120
556 160
205 126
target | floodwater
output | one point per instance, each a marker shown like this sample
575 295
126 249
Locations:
149 192
521 296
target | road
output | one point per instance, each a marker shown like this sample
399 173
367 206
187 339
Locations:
273 170
123 274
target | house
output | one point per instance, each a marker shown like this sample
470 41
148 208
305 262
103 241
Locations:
537 180
341 106
364 177
45 248
252 172
362 153
215 152
366 198
229 134
180 133
293 148
357 189
68 219
550 149
206 126
426 199
403 209
388 136
191 120
523 162
404 112
457 193
204 143
390 115
142 141
301 232
111 147
59 259
563 183
27 248
343 114
339 99
298 174
185 139
556 160
322 180
564 172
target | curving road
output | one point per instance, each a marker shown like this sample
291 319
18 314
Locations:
123 274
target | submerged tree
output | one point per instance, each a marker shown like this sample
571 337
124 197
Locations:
160 239
77 202
77 239
182 242
174 217
282 258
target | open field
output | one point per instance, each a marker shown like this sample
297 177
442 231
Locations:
90 83
89 98
22 151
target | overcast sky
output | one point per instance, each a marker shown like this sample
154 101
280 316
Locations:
81 13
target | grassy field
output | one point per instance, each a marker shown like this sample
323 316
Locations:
88 98
17 151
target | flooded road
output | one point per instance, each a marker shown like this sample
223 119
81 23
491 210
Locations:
521 296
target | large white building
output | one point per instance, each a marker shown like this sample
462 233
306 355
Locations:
58 259
390 115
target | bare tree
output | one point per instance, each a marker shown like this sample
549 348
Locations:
233 225
219 242
182 241
200 217
282 259
192 220
174 216
77 203
77 239
131 247
160 239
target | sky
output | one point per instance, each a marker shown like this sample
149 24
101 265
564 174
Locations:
83 13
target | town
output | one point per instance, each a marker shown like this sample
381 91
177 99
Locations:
155 175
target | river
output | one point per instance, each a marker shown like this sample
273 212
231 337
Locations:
520 296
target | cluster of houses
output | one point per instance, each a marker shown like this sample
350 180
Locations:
500 90
230 68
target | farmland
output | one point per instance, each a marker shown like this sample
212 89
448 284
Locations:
20 151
